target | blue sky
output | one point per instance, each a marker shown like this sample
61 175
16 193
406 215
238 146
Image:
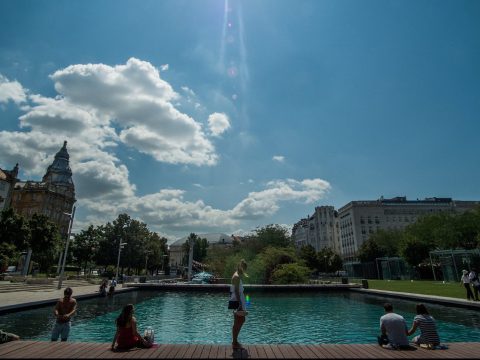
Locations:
224 116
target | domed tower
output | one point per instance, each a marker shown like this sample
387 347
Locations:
59 172
54 196
58 180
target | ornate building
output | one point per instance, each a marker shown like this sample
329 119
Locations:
8 178
54 196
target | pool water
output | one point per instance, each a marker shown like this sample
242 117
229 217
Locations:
186 317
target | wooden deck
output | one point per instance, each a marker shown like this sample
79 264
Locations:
81 350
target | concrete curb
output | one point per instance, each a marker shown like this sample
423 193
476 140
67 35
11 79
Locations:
441 300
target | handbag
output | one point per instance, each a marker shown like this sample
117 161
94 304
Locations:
233 304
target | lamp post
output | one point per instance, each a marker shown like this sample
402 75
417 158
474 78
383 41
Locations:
325 258
60 278
146 260
120 247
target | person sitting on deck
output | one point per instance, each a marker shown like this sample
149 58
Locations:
394 327
428 329
103 288
127 337
7 337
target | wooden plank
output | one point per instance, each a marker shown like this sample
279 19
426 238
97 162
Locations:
288 352
174 349
261 352
268 351
181 351
222 351
35 351
159 352
376 350
190 350
198 351
75 350
303 352
15 346
252 351
205 351
319 351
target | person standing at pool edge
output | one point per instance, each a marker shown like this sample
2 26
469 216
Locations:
64 310
238 302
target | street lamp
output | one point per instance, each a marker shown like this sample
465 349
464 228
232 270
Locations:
60 278
120 247
146 260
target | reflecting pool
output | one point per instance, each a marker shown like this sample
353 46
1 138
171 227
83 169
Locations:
274 318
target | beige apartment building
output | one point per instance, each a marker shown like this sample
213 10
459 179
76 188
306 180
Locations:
359 219
320 230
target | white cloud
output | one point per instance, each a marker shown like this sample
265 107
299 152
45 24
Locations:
135 98
188 91
218 123
278 158
11 91
266 202
164 67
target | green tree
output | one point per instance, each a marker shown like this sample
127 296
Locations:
273 235
200 247
380 244
8 255
44 241
14 229
264 264
293 273
85 246
329 260
309 256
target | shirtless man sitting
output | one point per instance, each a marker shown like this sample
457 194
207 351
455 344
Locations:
64 310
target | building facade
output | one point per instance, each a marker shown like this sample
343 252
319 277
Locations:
54 196
319 230
213 239
359 219
8 178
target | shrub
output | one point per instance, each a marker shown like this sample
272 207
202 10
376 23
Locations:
290 274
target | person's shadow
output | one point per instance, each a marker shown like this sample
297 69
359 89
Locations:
240 353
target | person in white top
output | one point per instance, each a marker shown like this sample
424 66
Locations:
238 302
473 276
465 280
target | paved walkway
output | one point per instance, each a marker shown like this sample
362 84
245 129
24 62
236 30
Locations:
11 301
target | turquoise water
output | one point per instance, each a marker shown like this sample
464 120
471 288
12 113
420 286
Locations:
185 317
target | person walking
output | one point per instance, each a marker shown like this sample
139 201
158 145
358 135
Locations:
428 328
394 327
473 276
237 302
127 337
64 310
465 280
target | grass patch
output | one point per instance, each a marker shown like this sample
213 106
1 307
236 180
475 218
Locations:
425 287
